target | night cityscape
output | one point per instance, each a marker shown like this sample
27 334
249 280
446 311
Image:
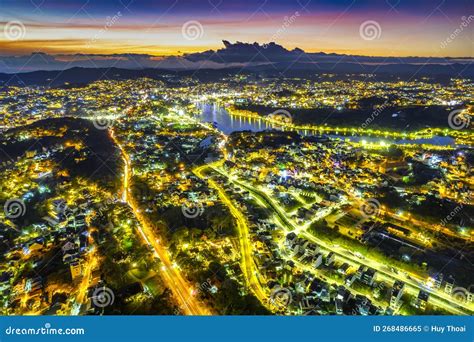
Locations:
236 158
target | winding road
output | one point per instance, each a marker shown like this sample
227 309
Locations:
173 279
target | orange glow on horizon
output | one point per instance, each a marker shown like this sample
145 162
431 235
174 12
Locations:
316 33
71 47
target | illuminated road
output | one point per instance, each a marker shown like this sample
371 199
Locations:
89 265
183 292
437 298
248 266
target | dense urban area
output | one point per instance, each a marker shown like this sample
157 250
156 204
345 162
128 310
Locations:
248 195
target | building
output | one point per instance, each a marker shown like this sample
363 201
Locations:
317 260
76 270
330 259
422 300
312 249
320 290
396 294
362 305
339 307
343 269
360 271
448 287
33 285
470 295
350 279
290 240
438 280
369 276
343 296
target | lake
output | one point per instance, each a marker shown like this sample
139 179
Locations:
227 124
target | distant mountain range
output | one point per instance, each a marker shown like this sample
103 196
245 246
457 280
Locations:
268 59
272 52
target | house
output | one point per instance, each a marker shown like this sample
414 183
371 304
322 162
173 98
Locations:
343 294
368 277
470 295
320 290
350 279
317 260
362 305
35 246
339 307
342 297
396 294
422 300
312 249
33 285
290 240
360 271
438 279
448 288
330 259
343 268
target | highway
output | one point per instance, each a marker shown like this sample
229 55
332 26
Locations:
180 288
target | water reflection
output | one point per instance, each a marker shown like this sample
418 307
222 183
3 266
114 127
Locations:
228 124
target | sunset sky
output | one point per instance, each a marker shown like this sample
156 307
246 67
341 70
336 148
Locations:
407 28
